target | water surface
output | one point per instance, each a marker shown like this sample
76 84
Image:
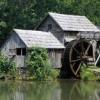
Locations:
61 90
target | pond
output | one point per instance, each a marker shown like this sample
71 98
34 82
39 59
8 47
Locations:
57 90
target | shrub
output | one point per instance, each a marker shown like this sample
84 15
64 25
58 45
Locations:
6 66
39 65
87 74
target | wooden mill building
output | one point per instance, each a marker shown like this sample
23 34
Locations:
53 33
17 44
66 27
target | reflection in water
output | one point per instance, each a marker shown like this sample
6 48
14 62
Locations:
78 90
29 90
62 90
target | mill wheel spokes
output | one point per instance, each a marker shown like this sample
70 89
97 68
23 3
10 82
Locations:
79 56
77 53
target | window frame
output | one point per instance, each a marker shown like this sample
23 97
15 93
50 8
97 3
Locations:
49 27
21 52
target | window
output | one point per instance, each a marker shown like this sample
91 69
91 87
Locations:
24 51
18 51
49 27
21 51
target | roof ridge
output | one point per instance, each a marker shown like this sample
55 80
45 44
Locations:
15 29
65 14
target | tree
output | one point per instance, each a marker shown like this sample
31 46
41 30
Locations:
26 14
7 67
38 64
16 14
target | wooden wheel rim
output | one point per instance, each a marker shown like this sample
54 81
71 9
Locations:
75 72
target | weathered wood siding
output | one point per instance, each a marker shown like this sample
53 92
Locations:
61 35
20 61
12 43
56 30
9 49
70 34
55 57
44 25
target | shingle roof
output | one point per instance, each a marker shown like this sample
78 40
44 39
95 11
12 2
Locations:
73 22
38 38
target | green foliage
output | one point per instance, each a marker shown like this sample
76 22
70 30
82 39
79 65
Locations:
7 67
39 65
16 14
28 13
87 74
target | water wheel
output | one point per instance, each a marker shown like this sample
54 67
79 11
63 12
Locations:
76 54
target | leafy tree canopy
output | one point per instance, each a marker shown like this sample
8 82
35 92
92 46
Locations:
27 14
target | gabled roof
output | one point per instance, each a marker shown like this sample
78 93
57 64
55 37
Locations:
38 38
73 22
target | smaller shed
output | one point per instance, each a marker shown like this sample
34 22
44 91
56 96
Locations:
16 46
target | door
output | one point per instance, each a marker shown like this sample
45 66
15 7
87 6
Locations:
20 61
20 57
